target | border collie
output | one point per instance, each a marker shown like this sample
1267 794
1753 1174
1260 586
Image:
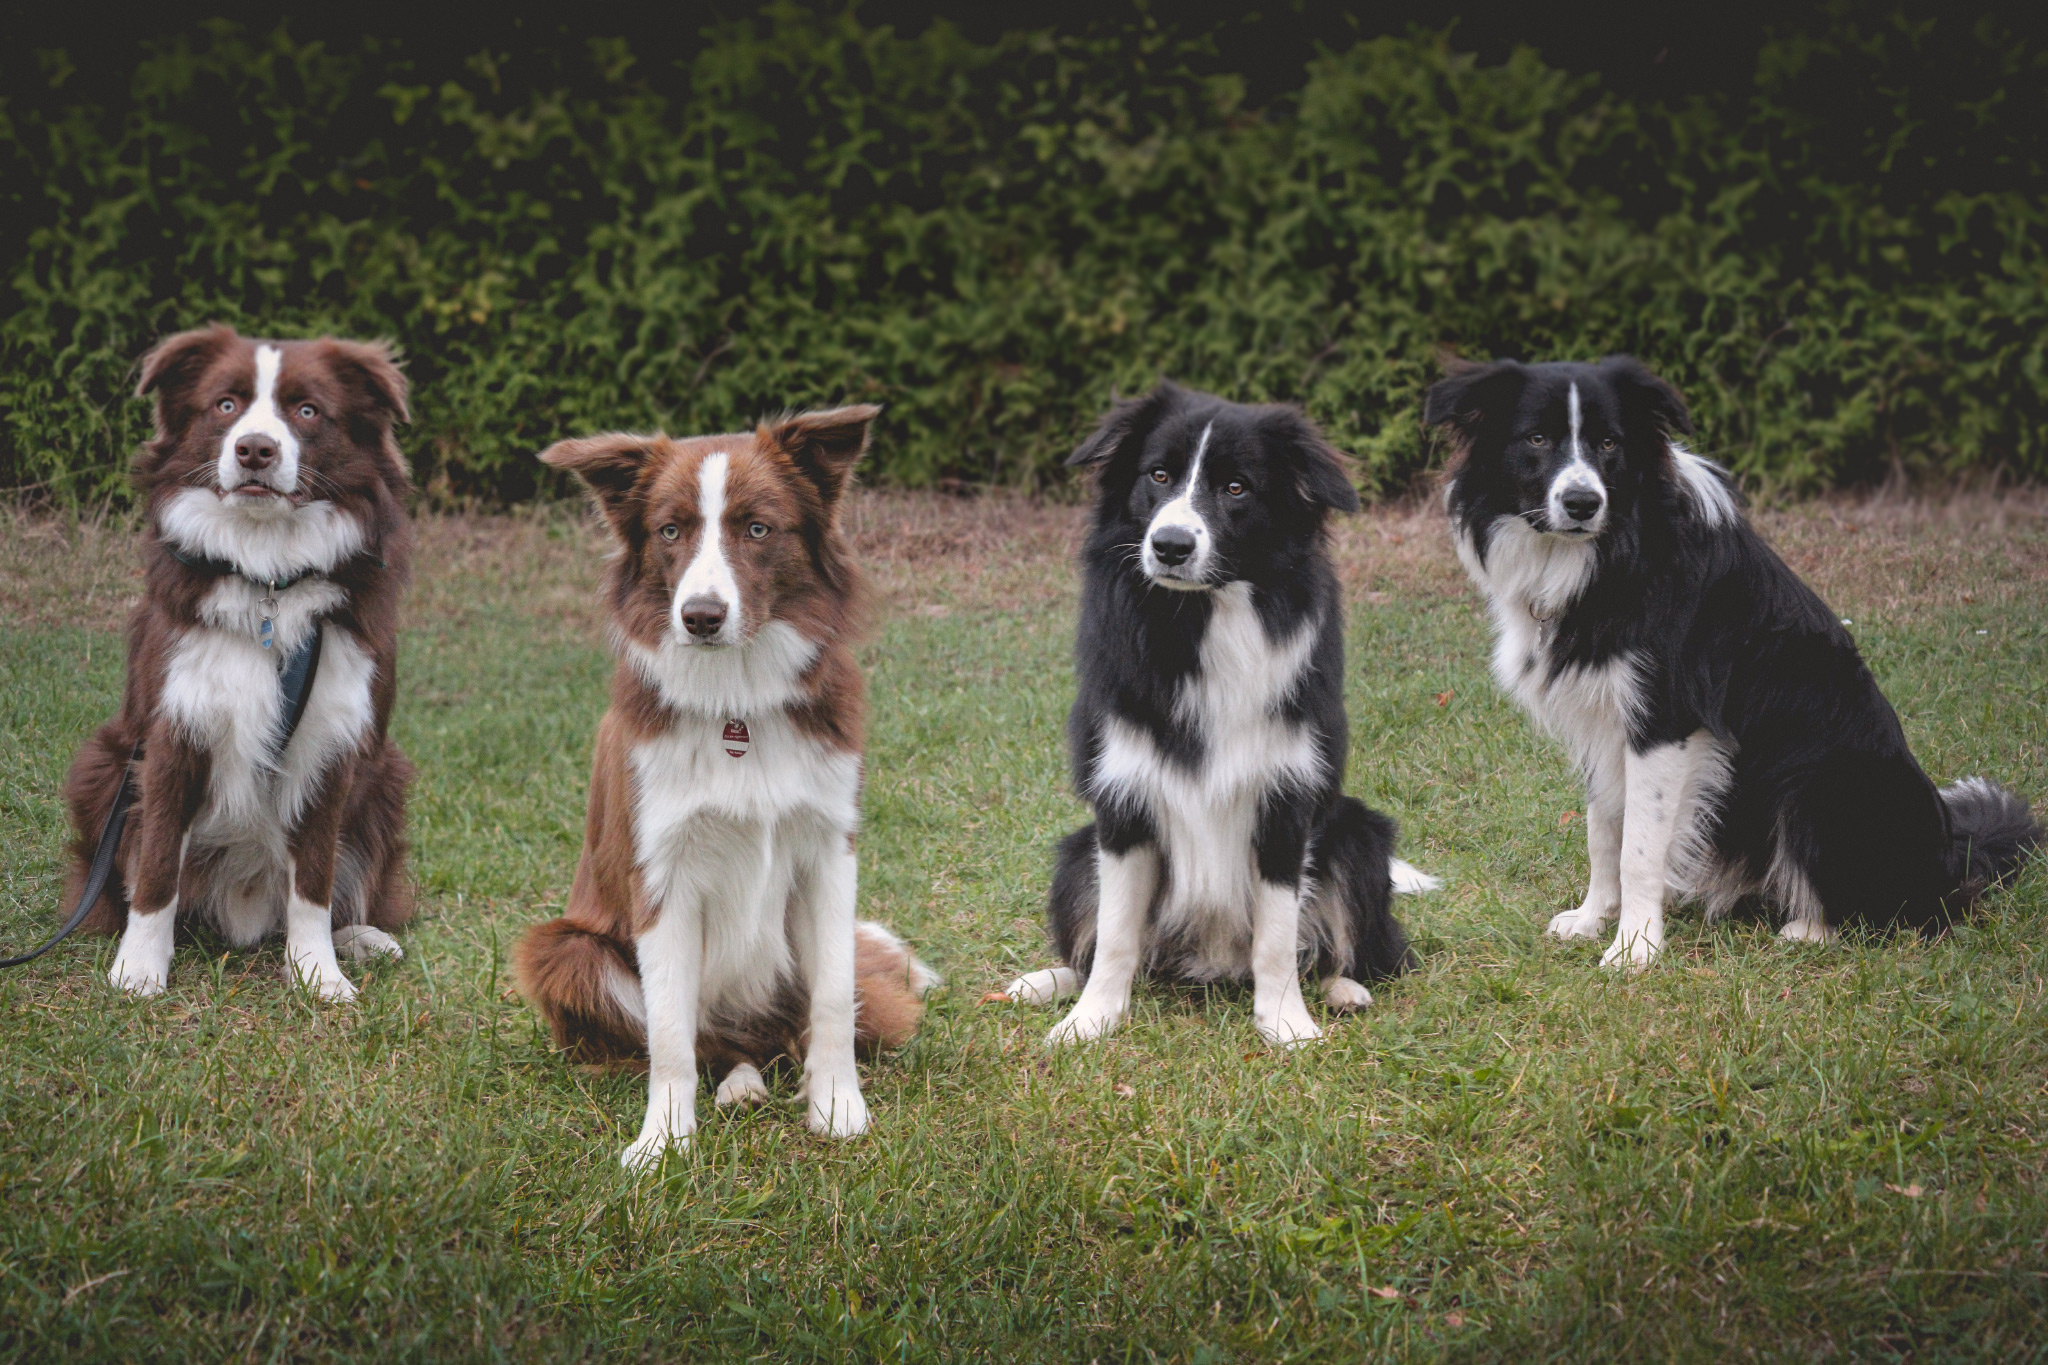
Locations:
273 491
1733 743
1209 732
711 922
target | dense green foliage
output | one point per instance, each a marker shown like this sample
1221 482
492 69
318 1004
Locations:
1842 264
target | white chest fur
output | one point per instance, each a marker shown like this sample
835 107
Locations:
1205 816
221 688
730 839
1529 579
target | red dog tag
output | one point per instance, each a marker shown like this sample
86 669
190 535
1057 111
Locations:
737 741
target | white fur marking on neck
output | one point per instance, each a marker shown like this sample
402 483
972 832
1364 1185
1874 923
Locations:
744 681
268 540
1706 485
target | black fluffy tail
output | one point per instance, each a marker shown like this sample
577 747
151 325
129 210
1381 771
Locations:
1354 895
1991 832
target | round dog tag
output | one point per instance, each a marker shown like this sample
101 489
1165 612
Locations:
736 740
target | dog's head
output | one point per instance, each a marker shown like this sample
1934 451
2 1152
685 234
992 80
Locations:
1565 447
1200 492
266 427
721 535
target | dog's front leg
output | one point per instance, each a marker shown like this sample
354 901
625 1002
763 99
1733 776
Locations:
1657 779
1277 1007
1125 885
831 1083
1606 800
173 782
309 905
671 959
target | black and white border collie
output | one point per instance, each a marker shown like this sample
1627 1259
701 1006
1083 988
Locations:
1209 732
1732 741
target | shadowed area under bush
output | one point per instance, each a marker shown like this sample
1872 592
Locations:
1839 257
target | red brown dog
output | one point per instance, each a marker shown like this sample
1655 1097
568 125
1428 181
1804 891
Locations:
273 490
712 916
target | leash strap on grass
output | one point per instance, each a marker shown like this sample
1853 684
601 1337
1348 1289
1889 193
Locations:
102 862
296 682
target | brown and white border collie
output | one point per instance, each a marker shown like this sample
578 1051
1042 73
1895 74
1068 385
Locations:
273 493
711 921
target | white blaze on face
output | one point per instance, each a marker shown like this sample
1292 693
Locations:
1181 514
1578 477
710 573
262 418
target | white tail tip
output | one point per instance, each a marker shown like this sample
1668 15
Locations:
1410 880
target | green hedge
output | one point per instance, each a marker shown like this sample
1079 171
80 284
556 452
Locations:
1842 265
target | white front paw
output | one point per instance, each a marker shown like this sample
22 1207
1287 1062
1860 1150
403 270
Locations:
836 1107
647 1148
326 982
1084 1024
137 977
1046 987
1588 921
1632 952
1287 1027
359 942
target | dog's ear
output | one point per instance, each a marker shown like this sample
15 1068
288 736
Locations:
174 365
1646 400
1471 394
612 465
824 446
372 371
1126 426
1321 471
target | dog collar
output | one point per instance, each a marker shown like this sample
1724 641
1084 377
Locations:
269 587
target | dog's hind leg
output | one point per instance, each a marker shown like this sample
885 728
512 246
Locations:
742 1085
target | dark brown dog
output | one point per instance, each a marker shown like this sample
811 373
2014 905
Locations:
273 490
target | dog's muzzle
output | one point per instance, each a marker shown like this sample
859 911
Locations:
1577 505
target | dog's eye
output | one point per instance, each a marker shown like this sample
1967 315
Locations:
226 405
757 529
1159 476
308 411
1235 488
1607 443
670 531
1537 439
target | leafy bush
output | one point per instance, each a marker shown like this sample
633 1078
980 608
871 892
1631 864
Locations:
1842 266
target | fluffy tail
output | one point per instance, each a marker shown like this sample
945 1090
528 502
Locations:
586 985
1355 871
1991 831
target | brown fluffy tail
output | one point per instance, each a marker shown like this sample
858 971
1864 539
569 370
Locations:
586 986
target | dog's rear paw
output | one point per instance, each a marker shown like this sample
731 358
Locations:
360 942
1047 987
1814 930
1584 922
742 1085
1343 994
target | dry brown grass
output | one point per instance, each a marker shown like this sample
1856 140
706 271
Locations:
932 554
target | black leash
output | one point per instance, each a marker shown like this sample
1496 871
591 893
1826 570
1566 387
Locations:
296 681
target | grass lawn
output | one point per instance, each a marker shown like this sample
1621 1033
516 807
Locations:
1752 1150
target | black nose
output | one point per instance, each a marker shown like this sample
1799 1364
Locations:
1581 504
1173 544
255 451
702 616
